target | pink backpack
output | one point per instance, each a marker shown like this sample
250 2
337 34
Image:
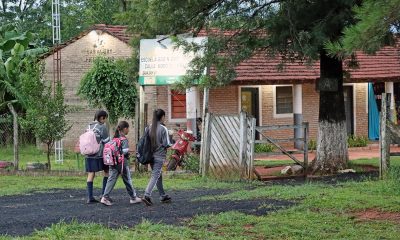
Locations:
112 152
88 144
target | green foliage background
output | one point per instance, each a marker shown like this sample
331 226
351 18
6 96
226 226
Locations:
108 84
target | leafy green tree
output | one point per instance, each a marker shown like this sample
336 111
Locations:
108 85
291 29
46 110
15 49
378 22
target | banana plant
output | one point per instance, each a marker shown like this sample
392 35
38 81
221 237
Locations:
15 48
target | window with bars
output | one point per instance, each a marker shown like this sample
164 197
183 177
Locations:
284 99
178 104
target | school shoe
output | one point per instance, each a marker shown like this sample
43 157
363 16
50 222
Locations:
106 201
91 201
135 200
109 199
147 200
165 199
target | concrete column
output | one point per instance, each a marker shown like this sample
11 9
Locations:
298 113
389 88
192 108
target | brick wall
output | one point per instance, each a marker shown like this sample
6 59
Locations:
77 59
226 101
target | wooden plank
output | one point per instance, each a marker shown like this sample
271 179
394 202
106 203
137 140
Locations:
253 136
305 146
384 142
223 153
242 143
279 127
226 139
284 151
230 123
280 140
206 141
219 160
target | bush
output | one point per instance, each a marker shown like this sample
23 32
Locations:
263 148
312 145
192 163
354 141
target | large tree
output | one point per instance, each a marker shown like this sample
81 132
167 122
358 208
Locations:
378 23
290 29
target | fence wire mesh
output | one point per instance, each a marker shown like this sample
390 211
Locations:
25 137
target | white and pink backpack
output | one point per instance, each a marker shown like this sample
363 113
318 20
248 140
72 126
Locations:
88 144
112 152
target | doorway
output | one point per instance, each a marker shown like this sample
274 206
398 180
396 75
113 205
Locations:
249 102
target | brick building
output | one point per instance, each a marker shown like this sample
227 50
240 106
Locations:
272 96
76 59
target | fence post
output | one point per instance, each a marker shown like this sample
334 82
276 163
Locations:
384 143
15 123
242 143
253 138
205 143
305 147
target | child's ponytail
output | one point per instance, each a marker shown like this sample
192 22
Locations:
120 127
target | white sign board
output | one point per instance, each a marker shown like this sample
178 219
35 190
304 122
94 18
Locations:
162 63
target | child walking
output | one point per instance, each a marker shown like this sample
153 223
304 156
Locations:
160 142
121 169
94 163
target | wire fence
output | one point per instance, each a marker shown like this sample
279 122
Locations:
25 137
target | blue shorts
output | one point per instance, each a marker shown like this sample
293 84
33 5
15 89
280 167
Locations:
95 164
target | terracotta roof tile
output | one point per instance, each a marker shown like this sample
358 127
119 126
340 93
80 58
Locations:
384 65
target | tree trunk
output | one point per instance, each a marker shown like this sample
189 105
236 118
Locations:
48 156
332 152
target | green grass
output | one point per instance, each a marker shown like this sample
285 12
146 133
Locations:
320 211
30 153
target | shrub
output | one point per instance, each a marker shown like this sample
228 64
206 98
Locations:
312 145
355 141
263 148
192 163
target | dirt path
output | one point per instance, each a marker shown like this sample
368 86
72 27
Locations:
22 214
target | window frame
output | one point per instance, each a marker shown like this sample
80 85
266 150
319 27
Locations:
281 115
170 119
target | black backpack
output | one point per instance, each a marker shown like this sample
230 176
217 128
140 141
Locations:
144 153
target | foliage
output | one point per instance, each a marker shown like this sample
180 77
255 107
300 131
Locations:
263 148
107 84
312 145
377 23
192 163
76 16
237 29
357 141
15 52
46 113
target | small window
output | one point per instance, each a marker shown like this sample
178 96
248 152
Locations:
178 104
284 100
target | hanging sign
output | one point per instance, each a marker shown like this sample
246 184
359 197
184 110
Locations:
162 63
